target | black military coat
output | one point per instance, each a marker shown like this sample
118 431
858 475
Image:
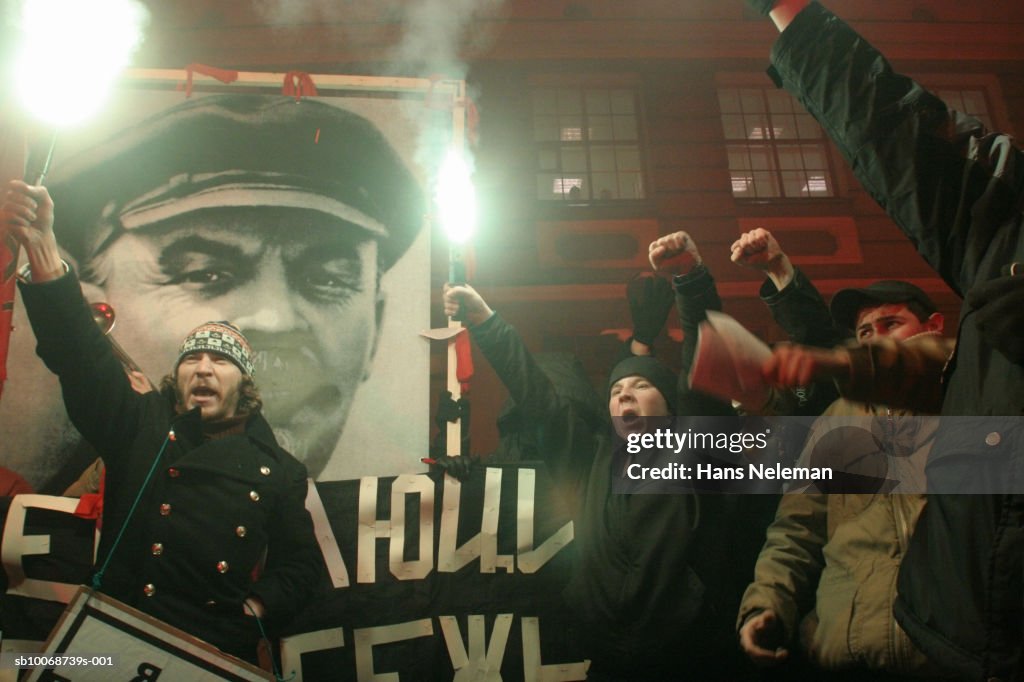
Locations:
217 520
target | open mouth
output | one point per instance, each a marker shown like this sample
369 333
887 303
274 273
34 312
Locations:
629 417
203 393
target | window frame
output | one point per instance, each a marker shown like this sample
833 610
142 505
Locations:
582 83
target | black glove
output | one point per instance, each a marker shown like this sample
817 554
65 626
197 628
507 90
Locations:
762 7
1000 314
456 467
650 298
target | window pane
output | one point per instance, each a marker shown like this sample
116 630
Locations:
766 185
574 159
757 128
597 102
623 102
784 127
546 186
630 186
819 185
545 128
732 125
814 157
602 159
742 185
547 159
739 157
605 186
569 188
794 183
570 129
790 157
624 127
761 158
600 128
569 102
627 158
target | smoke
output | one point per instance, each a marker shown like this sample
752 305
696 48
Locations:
434 34
434 31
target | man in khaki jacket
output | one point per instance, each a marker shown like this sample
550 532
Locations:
835 557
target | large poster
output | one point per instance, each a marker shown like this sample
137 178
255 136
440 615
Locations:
300 221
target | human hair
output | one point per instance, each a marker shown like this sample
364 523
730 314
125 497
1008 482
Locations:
249 400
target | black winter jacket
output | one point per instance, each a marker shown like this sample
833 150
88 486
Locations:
957 192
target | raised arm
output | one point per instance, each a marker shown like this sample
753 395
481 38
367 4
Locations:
97 393
930 168
695 295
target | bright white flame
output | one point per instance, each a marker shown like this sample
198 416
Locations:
70 54
456 198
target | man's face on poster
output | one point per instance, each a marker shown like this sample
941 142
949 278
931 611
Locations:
302 285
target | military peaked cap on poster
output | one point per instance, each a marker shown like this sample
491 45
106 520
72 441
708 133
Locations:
238 151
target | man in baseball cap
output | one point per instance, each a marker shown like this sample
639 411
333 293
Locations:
886 308
281 216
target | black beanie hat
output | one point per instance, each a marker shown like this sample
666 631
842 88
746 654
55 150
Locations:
654 371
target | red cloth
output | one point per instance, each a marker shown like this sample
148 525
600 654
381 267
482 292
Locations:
223 75
11 483
463 361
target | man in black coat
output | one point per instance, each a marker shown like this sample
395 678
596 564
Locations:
204 522
956 191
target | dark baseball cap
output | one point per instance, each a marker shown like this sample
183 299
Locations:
848 302
239 150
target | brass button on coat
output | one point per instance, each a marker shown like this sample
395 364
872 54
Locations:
240 531
222 566
173 473
165 509
993 439
149 589
157 548
254 496
265 470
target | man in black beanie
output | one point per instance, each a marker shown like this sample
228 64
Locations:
639 558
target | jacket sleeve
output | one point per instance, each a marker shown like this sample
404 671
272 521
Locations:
787 570
696 294
801 312
294 567
567 440
905 375
97 394
944 181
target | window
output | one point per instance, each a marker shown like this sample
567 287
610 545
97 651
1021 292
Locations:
588 144
776 149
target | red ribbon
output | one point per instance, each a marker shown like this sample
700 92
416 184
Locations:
298 84
463 361
223 75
